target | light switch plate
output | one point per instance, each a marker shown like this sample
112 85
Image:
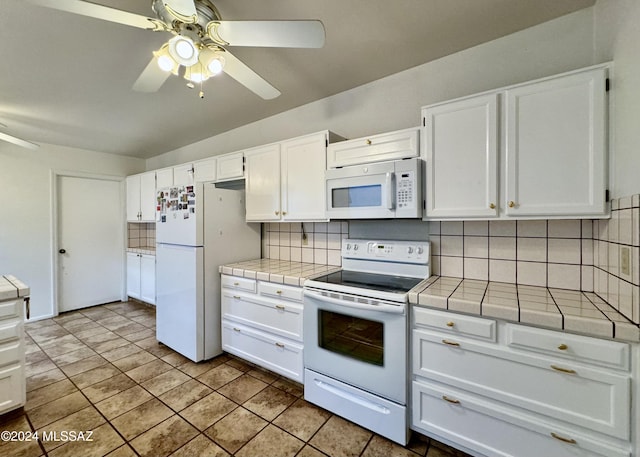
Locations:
624 260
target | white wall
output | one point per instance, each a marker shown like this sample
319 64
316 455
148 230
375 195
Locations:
394 102
25 225
617 38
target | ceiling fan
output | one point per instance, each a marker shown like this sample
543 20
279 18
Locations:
197 49
15 140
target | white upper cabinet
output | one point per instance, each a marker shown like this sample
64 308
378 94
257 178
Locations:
262 185
205 170
285 181
402 144
164 178
183 175
533 150
141 197
302 164
230 166
461 147
556 146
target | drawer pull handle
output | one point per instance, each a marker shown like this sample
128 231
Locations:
563 370
236 329
280 307
451 400
563 439
236 283
450 343
237 297
563 347
450 324
279 292
280 345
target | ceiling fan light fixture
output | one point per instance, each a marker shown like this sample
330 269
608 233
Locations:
165 61
183 50
212 60
196 74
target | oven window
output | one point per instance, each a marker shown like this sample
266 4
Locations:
357 196
351 336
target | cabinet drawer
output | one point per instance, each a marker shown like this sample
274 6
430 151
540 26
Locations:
455 324
376 148
270 289
574 347
10 330
596 399
11 352
12 388
282 318
496 431
237 283
10 308
276 354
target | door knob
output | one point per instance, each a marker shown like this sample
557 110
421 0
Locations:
62 251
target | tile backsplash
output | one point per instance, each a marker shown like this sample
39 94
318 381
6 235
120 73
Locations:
617 257
141 235
285 241
601 256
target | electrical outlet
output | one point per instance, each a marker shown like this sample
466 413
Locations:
305 240
624 260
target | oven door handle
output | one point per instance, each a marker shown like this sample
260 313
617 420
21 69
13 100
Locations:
383 308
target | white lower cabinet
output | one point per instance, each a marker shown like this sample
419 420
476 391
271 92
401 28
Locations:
12 350
141 277
262 323
530 392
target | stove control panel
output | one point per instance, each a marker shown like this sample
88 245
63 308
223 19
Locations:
389 251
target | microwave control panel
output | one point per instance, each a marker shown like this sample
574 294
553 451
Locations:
405 189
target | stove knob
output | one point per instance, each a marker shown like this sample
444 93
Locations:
355 247
409 250
419 250
348 246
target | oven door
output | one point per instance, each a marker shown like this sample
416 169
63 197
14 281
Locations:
361 192
364 345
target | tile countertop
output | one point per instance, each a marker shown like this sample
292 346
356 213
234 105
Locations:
560 309
149 250
12 287
280 271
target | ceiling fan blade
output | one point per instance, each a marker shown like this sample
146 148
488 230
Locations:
18 141
183 10
249 78
151 79
102 12
278 34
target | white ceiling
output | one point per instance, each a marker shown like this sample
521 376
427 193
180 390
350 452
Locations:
66 79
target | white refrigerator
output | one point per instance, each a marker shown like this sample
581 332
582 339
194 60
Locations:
198 228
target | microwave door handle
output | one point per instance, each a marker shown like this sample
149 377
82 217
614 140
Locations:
389 182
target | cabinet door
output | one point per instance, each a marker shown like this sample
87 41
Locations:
262 187
148 196
555 146
133 274
303 163
398 145
230 166
183 175
148 278
164 178
461 149
205 170
133 198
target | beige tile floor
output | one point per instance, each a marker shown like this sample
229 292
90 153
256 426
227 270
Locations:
101 370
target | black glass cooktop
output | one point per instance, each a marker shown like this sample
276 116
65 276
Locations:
372 281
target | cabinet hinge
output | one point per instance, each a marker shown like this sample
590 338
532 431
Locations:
606 195
424 121
424 204
326 143
607 85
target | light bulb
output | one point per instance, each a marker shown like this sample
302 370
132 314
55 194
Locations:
183 50
215 66
166 63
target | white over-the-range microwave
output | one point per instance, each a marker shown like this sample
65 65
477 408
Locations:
382 190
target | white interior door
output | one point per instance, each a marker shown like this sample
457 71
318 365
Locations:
90 247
